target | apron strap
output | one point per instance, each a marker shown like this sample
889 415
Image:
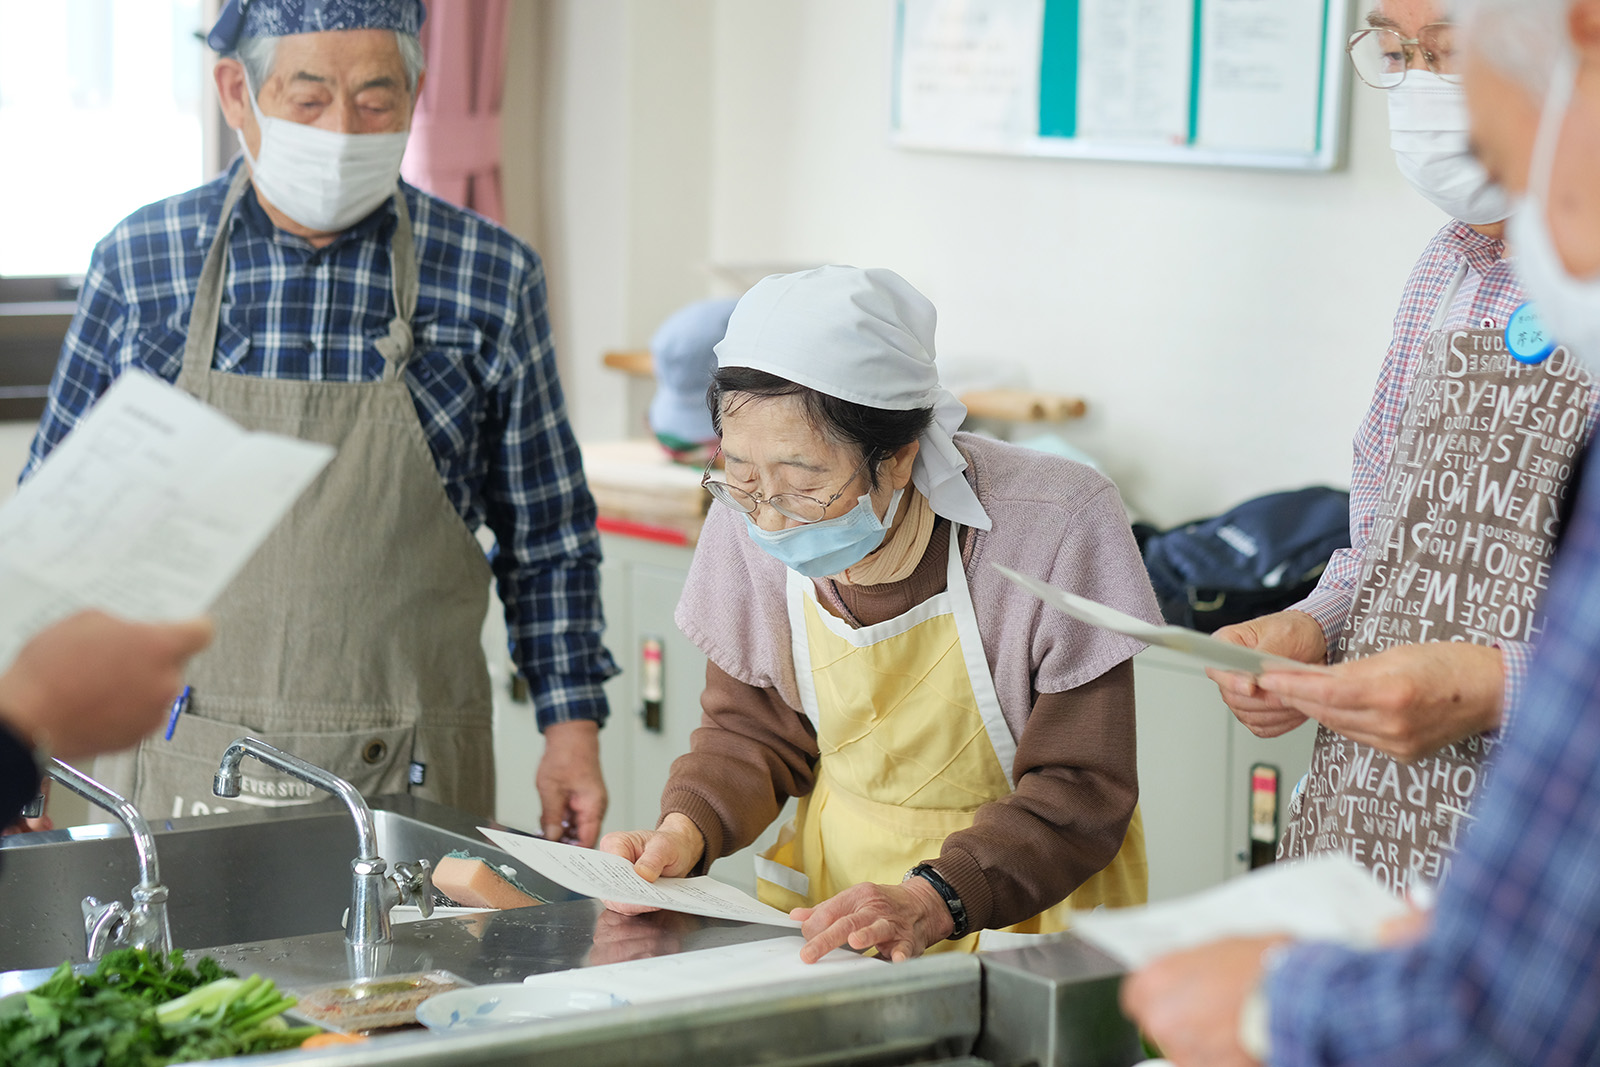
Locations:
201 344
397 347
994 719
1447 299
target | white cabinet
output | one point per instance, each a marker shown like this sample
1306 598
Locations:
1195 761
641 583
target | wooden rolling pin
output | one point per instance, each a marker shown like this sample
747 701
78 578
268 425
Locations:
635 361
1014 405
1023 405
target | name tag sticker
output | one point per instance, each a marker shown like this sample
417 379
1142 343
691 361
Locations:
1526 336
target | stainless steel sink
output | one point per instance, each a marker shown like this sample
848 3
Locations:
237 877
264 892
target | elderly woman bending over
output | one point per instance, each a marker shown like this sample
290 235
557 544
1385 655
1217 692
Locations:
963 757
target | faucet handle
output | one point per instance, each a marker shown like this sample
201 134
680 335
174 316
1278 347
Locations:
34 807
415 883
104 926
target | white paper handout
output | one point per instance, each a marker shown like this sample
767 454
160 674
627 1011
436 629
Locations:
607 877
146 510
1133 70
725 969
1259 85
1330 898
969 72
1191 643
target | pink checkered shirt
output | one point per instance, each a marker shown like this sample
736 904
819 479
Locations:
1488 294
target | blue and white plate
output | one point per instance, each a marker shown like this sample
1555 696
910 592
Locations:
508 1004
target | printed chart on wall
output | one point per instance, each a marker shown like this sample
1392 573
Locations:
1251 83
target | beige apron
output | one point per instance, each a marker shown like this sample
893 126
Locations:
912 743
1460 550
351 639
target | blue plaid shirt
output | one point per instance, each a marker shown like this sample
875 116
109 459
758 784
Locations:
1510 973
483 378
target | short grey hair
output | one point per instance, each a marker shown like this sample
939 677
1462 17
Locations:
258 54
1524 39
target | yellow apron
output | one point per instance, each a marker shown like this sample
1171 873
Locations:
912 744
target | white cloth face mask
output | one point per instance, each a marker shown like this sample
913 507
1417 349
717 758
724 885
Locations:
1570 307
1428 132
324 180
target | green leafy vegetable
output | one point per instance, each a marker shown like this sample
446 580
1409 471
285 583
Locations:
139 1010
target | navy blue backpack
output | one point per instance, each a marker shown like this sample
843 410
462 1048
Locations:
1262 556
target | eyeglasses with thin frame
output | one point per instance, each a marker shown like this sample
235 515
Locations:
1382 57
796 506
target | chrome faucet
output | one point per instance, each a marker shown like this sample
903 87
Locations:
111 925
373 891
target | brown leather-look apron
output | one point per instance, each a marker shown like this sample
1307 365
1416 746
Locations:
1460 550
352 638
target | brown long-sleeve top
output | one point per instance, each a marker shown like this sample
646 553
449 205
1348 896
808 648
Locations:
1075 776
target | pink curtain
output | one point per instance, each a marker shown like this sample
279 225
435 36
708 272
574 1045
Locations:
454 150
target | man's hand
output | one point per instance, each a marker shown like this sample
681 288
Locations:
1291 634
93 683
1408 701
671 850
900 921
572 793
1189 1002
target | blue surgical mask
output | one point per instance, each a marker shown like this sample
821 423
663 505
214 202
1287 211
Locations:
831 546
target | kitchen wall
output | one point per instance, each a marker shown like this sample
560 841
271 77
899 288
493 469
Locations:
1225 326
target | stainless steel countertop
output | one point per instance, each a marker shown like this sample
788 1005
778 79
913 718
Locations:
1053 1005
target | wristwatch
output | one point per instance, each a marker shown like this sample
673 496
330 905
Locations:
958 910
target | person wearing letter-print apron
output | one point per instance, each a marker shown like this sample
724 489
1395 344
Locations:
1460 550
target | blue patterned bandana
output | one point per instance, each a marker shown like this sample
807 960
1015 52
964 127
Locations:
280 18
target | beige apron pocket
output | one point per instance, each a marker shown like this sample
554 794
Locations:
173 778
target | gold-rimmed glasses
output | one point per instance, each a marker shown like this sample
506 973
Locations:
1381 56
796 506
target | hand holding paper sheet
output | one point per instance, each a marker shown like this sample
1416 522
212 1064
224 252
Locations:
1197 646
1330 898
607 877
146 510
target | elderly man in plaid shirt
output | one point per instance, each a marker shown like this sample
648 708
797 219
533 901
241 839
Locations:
309 291
1508 971
1460 482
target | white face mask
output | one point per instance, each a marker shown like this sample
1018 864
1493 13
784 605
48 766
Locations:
1570 307
323 180
1428 132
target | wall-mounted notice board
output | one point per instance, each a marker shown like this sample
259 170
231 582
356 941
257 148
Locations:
1248 83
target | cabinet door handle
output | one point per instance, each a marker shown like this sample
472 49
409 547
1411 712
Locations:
1263 814
650 690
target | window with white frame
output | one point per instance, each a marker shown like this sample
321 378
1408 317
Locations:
100 113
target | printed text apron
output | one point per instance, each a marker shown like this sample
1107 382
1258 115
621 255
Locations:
1460 550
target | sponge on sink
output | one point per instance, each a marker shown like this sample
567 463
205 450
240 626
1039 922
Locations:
474 882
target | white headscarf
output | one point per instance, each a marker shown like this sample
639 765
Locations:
865 336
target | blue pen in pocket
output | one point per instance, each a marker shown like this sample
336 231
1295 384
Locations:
177 709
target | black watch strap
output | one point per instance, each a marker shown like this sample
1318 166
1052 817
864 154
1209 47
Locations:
958 910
